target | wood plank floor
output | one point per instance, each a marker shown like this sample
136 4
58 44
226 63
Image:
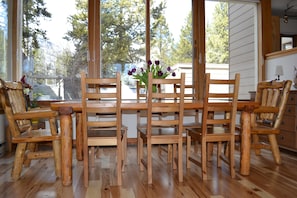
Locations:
266 179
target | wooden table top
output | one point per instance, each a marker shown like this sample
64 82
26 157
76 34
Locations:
133 104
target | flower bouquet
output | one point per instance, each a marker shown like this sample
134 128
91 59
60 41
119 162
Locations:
157 70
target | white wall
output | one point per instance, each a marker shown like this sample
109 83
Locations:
288 63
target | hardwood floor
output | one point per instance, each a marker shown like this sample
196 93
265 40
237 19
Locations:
266 179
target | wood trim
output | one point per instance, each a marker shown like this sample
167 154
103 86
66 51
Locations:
266 34
147 31
261 62
15 39
280 53
94 38
198 46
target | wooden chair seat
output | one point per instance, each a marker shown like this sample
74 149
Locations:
264 130
156 131
103 134
41 135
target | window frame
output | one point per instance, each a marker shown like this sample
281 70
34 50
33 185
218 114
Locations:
198 7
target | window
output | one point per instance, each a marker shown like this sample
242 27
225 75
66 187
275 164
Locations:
286 42
54 47
103 37
3 39
128 41
55 53
231 42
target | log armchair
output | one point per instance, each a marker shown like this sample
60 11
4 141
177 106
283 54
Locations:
267 119
22 134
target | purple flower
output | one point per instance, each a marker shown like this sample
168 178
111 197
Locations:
160 73
149 63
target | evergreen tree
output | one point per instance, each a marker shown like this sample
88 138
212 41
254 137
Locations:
161 38
183 53
217 35
33 11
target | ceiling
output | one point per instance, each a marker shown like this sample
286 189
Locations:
279 7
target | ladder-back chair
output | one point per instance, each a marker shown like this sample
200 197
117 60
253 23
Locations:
162 131
103 126
220 98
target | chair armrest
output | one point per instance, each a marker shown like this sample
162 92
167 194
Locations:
266 110
38 113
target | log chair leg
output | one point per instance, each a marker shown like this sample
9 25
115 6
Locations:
274 148
18 161
8 139
57 157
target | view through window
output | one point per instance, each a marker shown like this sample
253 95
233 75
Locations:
123 38
54 47
55 42
3 39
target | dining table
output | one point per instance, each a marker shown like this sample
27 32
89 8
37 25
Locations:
67 108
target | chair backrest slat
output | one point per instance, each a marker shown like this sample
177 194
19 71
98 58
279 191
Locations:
272 94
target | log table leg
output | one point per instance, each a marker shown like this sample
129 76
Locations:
245 143
66 144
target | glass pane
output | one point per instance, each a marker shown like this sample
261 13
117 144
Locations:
54 47
171 35
122 40
217 39
231 40
286 42
3 39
